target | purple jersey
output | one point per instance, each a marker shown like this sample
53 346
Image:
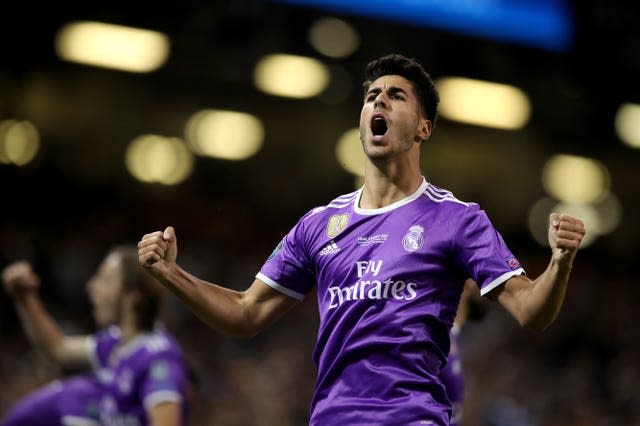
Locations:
453 379
70 402
388 285
137 375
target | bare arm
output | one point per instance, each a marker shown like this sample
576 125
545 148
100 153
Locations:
21 283
165 414
240 314
536 304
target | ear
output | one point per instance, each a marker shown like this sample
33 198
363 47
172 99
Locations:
424 129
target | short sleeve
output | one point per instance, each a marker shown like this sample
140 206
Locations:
289 269
482 252
164 381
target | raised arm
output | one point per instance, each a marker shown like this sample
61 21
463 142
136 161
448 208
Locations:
22 284
536 304
240 314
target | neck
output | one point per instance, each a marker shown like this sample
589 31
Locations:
386 185
129 327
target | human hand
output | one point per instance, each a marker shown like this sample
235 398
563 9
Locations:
565 236
18 278
158 250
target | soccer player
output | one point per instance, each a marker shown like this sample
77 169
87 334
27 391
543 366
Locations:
139 372
389 262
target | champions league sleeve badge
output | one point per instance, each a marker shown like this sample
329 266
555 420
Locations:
276 250
513 263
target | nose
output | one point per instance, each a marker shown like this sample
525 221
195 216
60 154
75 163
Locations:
380 101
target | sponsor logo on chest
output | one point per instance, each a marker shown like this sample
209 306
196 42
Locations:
371 285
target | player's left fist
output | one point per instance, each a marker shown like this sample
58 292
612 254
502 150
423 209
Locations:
565 236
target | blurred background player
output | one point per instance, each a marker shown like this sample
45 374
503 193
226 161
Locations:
140 377
472 307
71 402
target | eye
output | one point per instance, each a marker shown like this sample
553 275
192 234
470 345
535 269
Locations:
397 97
371 97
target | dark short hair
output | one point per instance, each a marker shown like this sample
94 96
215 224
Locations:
136 278
423 86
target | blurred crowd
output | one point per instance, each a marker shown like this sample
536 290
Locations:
584 370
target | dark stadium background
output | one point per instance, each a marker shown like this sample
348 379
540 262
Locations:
64 209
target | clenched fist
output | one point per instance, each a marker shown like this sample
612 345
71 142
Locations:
565 235
19 278
158 251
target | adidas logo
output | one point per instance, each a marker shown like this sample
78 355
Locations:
331 248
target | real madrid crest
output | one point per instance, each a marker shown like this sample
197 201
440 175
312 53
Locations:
337 224
414 239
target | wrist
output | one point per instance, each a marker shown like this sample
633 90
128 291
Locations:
562 262
163 271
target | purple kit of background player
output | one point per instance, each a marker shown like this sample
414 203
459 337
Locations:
139 373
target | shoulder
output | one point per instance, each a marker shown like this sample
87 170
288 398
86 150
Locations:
162 355
149 346
445 205
161 344
445 197
338 205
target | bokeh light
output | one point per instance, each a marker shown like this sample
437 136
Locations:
627 124
291 76
112 46
229 135
19 142
483 103
333 37
575 179
349 152
159 159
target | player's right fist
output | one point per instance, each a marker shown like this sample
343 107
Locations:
18 278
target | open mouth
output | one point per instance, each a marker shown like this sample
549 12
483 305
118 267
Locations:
378 125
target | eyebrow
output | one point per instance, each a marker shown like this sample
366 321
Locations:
392 90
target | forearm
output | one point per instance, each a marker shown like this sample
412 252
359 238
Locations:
221 308
543 300
40 327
